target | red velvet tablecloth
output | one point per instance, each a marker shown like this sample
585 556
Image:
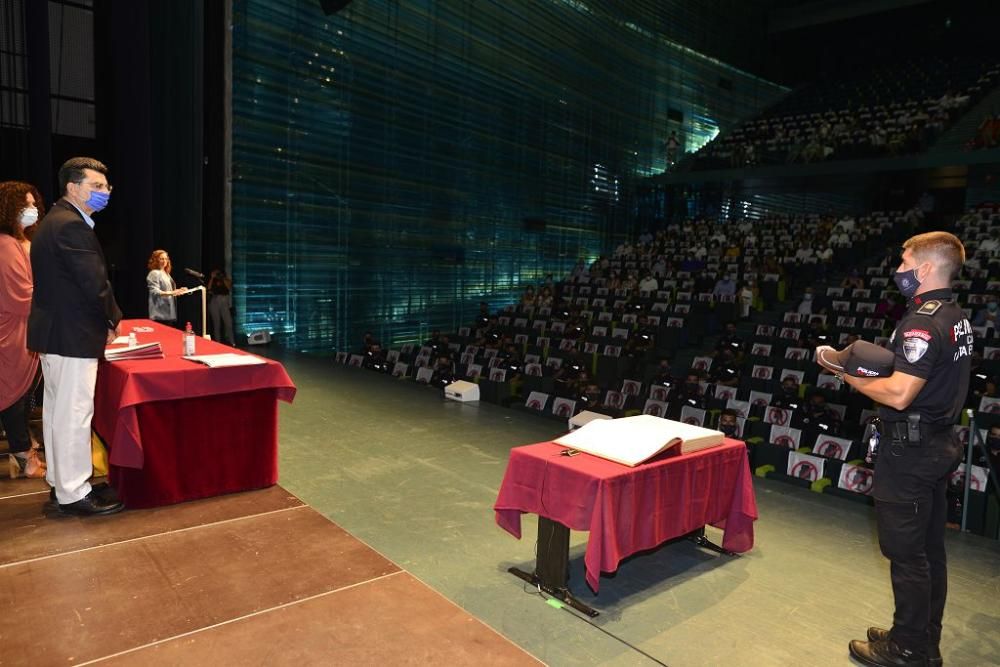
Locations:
177 430
628 510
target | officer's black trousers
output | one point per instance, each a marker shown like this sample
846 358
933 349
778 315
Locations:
910 509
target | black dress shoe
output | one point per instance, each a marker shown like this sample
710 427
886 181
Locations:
934 658
885 653
100 488
92 504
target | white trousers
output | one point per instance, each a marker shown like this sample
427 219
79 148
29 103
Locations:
66 416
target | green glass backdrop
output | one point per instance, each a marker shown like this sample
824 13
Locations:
398 162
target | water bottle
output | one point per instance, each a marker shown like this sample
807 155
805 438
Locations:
188 340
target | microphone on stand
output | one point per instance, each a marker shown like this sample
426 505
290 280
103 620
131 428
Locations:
192 272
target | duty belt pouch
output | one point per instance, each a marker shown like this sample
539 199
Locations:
913 430
905 434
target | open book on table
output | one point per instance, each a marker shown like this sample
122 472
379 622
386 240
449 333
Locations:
632 440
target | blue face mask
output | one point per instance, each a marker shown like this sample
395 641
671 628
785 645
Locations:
98 200
907 282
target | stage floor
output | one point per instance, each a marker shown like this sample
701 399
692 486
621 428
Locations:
415 477
256 578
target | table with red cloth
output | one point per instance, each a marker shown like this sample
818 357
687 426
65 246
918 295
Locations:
177 430
628 510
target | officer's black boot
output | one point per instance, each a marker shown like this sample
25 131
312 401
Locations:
934 658
886 653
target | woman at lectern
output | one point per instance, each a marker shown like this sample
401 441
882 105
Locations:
163 291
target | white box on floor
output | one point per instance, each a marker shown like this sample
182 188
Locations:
462 391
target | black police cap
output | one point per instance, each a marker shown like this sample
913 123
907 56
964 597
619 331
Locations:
860 359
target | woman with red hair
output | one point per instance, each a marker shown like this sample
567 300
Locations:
20 208
163 290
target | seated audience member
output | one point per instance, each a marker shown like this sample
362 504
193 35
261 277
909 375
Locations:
578 385
988 315
746 297
375 359
528 298
816 411
729 356
591 400
729 423
853 280
690 391
993 447
572 368
990 246
367 341
434 342
663 376
648 284
980 384
730 339
725 286
884 305
788 395
511 360
807 305
638 345
814 333
725 375
483 316
444 371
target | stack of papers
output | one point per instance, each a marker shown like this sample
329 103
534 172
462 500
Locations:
144 351
226 359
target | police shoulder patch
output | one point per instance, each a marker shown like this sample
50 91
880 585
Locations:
914 349
929 307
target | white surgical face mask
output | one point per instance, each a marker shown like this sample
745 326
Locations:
29 216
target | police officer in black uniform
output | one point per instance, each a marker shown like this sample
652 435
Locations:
921 402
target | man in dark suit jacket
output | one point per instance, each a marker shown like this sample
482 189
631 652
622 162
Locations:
73 316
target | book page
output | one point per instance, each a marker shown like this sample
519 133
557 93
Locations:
632 440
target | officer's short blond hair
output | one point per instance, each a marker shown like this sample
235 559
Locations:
942 248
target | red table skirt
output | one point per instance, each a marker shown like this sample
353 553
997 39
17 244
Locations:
201 447
628 510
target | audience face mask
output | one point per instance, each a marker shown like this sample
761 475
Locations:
29 216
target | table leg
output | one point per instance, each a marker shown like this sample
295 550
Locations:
552 565
698 537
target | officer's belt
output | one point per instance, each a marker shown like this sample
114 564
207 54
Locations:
899 431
